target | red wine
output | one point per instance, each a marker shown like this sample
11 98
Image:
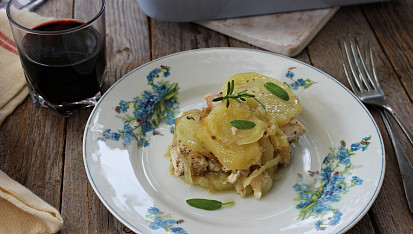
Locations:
64 67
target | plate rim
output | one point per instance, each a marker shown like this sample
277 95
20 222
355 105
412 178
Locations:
353 222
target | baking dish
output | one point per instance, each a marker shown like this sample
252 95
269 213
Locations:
194 10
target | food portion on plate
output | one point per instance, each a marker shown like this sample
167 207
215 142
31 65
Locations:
240 138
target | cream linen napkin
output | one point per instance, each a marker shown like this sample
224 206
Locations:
13 88
21 211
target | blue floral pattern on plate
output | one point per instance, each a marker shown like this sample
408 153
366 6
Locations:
144 113
315 199
297 83
159 220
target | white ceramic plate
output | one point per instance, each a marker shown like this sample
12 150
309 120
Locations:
333 179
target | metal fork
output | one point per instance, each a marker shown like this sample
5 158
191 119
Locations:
405 167
365 83
368 90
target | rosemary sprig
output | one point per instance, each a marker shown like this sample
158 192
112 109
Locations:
240 96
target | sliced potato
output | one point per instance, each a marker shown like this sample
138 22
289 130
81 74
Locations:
185 130
256 152
214 182
234 148
280 110
221 116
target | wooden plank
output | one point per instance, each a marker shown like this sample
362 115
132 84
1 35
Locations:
31 146
170 37
349 20
127 47
392 23
127 39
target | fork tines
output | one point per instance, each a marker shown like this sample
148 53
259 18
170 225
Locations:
364 75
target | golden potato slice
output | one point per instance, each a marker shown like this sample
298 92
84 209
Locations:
214 182
185 130
221 116
280 110
234 148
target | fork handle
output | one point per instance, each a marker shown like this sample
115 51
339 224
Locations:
400 122
405 167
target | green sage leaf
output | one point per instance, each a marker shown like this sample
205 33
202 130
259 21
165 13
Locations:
242 124
206 204
277 91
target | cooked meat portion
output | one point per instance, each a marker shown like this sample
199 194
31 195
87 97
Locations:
179 168
235 175
210 104
181 155
214 166
293 130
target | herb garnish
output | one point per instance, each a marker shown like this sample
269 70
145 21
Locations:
206 204
240 95
242 124
276 90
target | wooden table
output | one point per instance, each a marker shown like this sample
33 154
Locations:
43 151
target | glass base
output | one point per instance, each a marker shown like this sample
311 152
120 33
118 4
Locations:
65 109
